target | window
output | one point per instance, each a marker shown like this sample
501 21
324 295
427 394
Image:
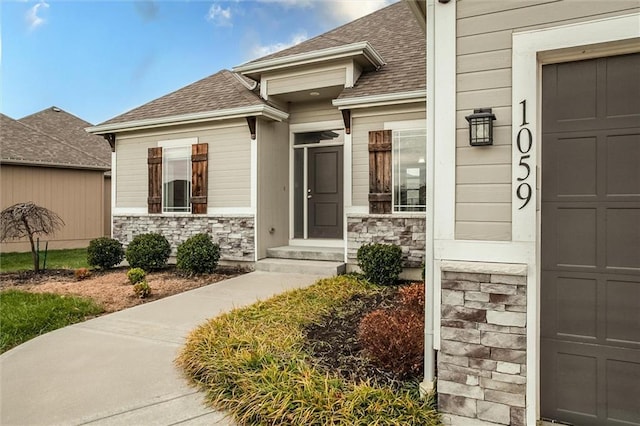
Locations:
176 179
409 171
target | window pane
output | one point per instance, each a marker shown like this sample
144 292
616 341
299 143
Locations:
176 179
409 171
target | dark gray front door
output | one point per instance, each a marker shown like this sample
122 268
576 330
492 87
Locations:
590 250
324 193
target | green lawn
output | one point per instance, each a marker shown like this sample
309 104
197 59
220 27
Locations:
56 259
252 363
26 315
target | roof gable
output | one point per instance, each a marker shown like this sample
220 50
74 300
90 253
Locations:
22 144
68 128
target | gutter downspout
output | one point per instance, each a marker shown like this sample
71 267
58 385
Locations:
428 383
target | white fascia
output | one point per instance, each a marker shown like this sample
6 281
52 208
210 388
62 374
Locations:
346 51
266 111
381 100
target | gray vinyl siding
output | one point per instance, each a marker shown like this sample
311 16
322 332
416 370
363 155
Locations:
273 186
483 49
307 81
229 163
311 112
363 122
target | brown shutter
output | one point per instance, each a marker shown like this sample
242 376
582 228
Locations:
380 171
199 178
154 200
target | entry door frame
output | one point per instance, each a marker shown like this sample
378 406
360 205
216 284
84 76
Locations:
346 190
530 51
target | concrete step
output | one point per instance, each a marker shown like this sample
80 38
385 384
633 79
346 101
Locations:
313 267
334 254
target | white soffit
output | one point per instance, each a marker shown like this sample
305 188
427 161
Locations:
381 100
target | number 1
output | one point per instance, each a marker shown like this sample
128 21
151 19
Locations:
524 113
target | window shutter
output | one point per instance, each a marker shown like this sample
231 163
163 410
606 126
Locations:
199 178
154 160
380 171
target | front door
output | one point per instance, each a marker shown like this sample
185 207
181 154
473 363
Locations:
318 185
590 250
324 192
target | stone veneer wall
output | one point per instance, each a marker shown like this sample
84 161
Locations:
234 233
483 344
407 231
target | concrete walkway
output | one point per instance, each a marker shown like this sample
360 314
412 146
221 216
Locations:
118 369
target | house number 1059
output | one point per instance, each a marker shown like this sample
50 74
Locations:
524 143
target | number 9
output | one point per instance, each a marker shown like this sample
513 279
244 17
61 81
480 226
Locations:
526 197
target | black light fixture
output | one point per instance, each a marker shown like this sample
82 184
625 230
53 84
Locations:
481 127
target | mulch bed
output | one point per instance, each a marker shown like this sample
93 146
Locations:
333 341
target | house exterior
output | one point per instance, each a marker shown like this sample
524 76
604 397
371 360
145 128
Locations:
319 145
49 159
533 242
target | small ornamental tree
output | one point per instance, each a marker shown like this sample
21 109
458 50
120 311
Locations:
28 220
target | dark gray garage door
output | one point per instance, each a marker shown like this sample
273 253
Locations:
590 279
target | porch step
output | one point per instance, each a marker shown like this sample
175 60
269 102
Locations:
313 267
334 254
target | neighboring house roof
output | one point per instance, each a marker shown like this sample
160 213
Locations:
68 128
222 90
23 144
392 31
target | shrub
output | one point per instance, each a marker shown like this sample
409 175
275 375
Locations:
135 275
81 273
198 255
380 263
148 251
394 340
104 252
412 297
142 289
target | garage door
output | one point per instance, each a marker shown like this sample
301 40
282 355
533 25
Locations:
590 250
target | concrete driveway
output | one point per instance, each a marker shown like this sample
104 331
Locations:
118 369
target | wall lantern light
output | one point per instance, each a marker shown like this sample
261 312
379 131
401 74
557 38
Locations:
481 127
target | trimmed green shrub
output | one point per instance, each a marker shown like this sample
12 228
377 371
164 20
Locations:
148 251
142 289
198 255
380 263
135 275
105 252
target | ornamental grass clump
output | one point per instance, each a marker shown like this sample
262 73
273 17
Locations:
252 363
380 263
148 251
198 255
105 252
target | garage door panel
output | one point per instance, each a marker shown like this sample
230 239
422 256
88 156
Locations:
623 312
623 88
577 307
623 238
623 165
623 379
576 236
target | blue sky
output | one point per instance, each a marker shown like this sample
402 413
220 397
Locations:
97 59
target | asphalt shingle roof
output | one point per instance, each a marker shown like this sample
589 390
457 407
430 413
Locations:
23 144
392 31
222 90
68 128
